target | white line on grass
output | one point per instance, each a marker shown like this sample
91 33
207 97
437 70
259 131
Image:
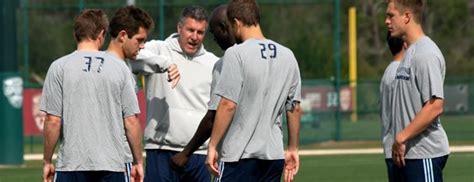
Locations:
309 152
370 151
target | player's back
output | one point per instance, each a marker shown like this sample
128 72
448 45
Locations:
269 69
97 94
267 76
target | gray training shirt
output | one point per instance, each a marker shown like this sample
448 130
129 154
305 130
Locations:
419 78
92 92
261 77
215 99
385 102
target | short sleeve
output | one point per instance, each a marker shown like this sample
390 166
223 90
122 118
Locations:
429 75
129 101
294 96
215 99
230 80
52 95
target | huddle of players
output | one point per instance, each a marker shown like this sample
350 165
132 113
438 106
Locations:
90 100
89 97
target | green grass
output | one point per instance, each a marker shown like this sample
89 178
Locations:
371 168
338 168
30 171
457 127
364 133
322 127
319 133
352 168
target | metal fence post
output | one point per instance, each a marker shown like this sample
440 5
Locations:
337 60
11 98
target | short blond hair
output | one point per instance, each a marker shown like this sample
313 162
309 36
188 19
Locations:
417 7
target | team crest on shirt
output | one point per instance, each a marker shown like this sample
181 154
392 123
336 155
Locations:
403 73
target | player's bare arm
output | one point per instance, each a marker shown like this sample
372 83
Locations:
291 155
52 129
202 134
432 109
225 112
134 135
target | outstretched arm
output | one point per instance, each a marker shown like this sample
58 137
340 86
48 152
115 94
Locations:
292 161
52 129
149 62
202 134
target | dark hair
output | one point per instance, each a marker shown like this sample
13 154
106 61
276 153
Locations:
195 12
395 44
244 10
416 6
89 23
130 19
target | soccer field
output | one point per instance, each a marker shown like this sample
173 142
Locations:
330 168
371 168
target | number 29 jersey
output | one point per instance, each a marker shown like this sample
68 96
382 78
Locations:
262 77
92 92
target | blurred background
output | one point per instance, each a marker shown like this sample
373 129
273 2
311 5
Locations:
339 44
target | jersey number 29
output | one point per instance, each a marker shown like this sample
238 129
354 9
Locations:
271 47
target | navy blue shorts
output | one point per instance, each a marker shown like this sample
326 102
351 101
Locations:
417 170
251 170
87 176
158 167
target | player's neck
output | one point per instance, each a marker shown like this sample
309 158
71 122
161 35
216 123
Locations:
251 32
115 49
399 56
414 33
88 45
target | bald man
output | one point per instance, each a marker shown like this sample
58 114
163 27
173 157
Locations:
221 30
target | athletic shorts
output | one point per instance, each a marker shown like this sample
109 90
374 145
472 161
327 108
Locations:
158 167
128 171
417 170
251 170
87 176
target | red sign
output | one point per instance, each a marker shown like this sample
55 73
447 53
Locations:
33 118
320 98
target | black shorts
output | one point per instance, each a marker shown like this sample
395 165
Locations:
251 170
415 170
158 167
86 176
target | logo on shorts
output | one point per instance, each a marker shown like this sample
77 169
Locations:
13 90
